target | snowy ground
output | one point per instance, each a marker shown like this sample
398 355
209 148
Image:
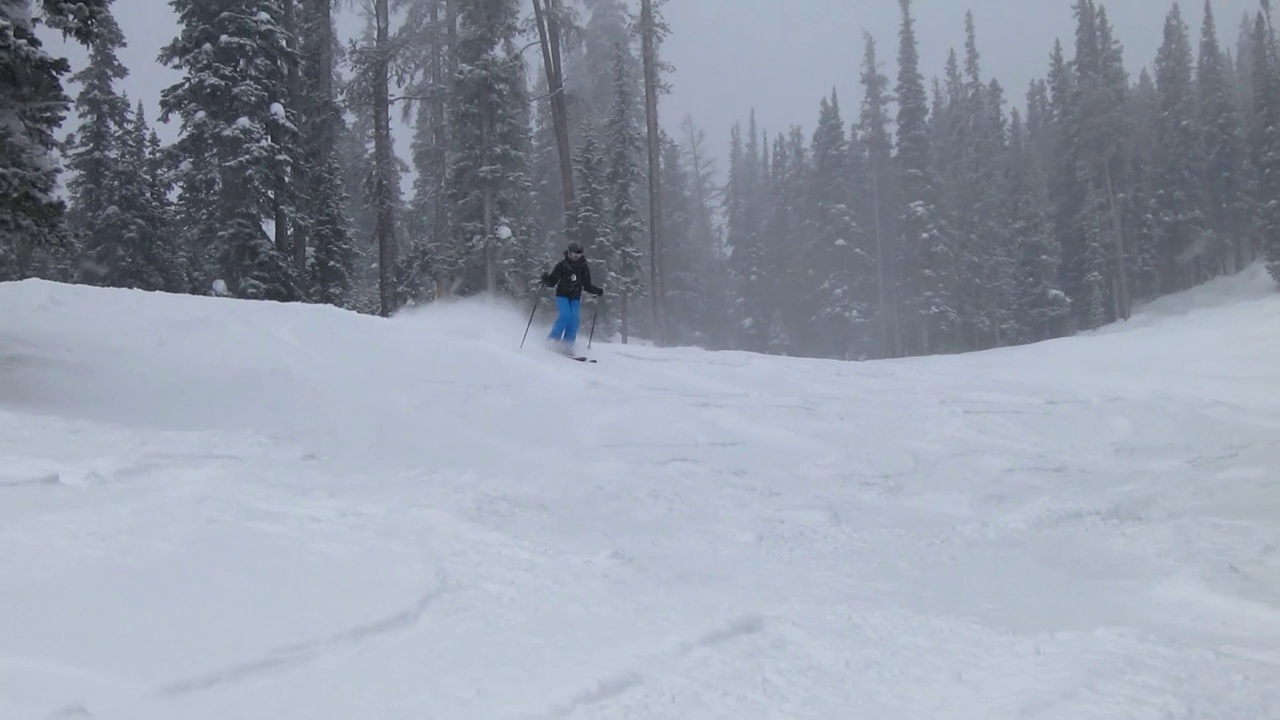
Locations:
213 509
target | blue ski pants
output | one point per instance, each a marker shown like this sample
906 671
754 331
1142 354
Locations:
565 328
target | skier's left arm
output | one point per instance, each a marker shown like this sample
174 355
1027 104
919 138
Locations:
550 279
586 282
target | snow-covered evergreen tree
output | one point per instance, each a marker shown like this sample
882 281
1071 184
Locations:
784 292
230 104
592 227
624 176
133 241
926 243
359 167
590 64
92 151
743 206
488 178
1065 187
1040 306
33 105
873 191
995 323
1140 210
331 245
1227 209
424 36
1178 170
840 272
714 295
1265 141
686 265
1098 131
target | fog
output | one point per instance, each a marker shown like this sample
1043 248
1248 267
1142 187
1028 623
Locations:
780 57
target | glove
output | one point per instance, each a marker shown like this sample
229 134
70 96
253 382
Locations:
546 278
597 292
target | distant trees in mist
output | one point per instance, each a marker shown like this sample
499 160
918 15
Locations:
976 222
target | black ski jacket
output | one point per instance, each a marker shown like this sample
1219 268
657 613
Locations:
570 278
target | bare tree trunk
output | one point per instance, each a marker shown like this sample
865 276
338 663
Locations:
486 139
439 135
706 234
1122 280
648 32
281 215
626 315
302 178
324 81
889 329
548 21
451 30
699 183
382 195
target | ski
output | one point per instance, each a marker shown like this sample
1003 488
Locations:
580 359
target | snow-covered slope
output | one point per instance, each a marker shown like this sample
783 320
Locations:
215 509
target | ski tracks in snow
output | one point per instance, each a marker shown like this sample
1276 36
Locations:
639 671
298 655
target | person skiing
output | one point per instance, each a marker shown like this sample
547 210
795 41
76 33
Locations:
569 277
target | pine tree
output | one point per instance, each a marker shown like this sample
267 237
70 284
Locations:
544 172
132 242
653 29
624 176
1097 131
996 324
591 72
876 191
331 262
1113 176
425 34
743 200
488 179
788 185
230 102
1265 142
33 104
92 151
926 252
1041 308
591 200
781 295
1178 166
688 266
355 160
329 231
714 295
1066 190
972 147
553 23
1227 210
842 270
1141 208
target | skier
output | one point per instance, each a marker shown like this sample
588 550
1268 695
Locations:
569 277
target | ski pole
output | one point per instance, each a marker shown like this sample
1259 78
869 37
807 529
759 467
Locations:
526 327
594 313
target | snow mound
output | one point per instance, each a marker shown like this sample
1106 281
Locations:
1251 285
215 508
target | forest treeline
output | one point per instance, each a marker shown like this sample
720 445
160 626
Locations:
940 213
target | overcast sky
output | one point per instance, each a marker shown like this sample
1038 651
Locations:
781 57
